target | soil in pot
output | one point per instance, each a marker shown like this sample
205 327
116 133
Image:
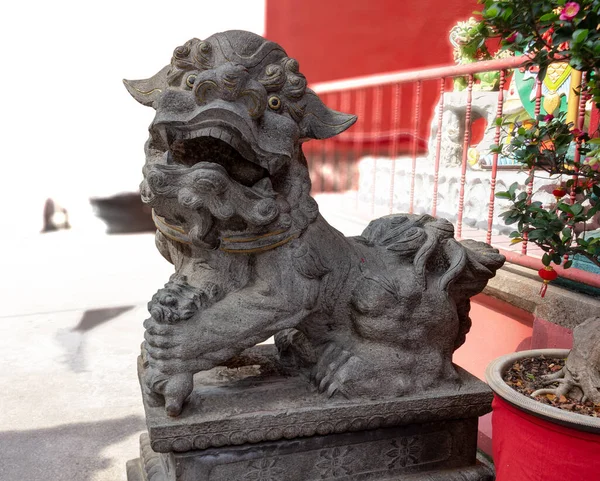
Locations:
526 376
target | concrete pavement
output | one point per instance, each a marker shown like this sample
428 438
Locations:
70 329
73 303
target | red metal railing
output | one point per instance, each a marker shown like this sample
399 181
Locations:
395 110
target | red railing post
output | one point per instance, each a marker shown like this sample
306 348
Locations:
499 110
345 107
394 144
328 170
416 122
536 112
465 152
361 101
377 107
579 123
438 146
319 167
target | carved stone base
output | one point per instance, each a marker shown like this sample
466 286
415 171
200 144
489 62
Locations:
417 453
241 425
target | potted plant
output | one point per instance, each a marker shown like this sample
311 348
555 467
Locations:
565 230
540 431
546 411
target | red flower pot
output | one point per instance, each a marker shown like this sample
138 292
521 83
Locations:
537 442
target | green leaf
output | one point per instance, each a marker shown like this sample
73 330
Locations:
537 210
564 207
548 16
568 264
546 259
503 195
507 13
491 12
537 234
576 209
512 218
580 35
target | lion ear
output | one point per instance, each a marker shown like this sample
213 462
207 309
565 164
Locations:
146 91
321 122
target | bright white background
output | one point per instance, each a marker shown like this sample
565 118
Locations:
68 128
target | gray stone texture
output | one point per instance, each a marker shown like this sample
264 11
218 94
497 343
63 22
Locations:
256 402
378 314
426 453
365 327
253 422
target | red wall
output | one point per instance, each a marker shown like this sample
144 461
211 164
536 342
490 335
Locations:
334 40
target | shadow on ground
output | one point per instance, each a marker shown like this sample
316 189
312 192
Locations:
71 452
73 340
94 317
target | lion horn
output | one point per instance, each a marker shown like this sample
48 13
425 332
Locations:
146 91
321 122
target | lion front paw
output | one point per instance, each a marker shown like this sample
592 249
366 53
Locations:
172 391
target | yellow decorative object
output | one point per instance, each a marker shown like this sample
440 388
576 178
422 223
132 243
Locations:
551 102
472 156
556 75
528 123
573 98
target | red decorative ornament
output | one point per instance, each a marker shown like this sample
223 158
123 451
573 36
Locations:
547 274
559 193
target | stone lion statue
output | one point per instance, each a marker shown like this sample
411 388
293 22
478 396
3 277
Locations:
374 315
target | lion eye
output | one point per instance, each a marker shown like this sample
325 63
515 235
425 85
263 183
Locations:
274 102
189 81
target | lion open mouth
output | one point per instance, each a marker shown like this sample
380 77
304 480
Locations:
217 145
